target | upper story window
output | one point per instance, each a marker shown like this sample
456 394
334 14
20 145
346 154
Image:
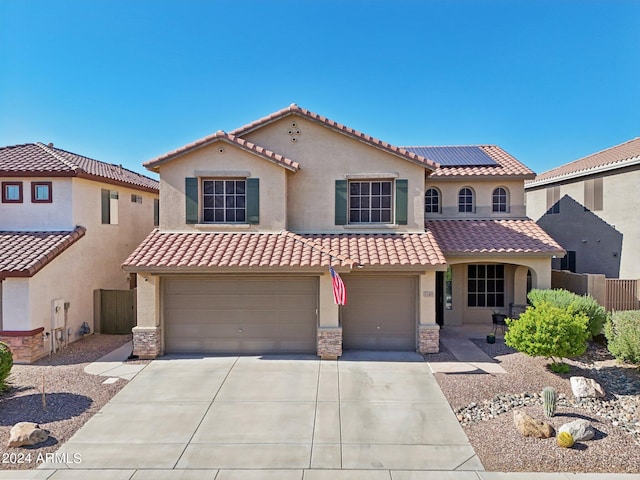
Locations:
370 201
553 199
499 200
41 192
465 200
109 207
11 192
224 201
432 200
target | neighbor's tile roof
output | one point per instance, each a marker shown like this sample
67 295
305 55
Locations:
37 159
294 109
23 254
507 166
584 166
213 250
461 237
227 138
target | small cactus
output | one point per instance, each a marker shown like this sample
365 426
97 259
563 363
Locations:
564 440
549 401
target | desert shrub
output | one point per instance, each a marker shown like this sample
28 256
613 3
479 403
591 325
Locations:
623 335
585 304
6 362
545 330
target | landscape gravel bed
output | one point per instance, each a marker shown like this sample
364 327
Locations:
72 397
484 404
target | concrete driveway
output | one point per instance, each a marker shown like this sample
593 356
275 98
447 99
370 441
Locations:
289 415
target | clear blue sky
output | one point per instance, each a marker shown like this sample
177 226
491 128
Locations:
124 81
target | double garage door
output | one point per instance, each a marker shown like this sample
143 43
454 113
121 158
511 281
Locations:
254 315
249 315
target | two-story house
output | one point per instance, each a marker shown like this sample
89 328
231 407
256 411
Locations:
67 222
252 220
590 206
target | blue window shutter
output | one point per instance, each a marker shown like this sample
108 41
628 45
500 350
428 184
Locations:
253 201
341 202
402 200
191 199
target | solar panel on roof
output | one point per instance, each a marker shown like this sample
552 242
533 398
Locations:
466 156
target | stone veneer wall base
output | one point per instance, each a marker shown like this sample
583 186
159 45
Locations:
147 342
26 347
428 339
329 342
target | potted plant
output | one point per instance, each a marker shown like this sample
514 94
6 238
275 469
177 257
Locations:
491 338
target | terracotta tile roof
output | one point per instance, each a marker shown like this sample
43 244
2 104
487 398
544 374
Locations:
23 254
39 160
268 250
294 109
507 165
613 157
460 237
228 138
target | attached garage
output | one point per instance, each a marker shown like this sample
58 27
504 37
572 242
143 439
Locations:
240 315
380 313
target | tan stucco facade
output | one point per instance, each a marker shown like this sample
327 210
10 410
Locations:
605 240
482 189
91 263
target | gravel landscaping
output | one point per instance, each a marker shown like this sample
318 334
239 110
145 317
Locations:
484 405
72 397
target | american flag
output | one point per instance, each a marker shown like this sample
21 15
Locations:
339 292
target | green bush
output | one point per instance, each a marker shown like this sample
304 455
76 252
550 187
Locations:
623 335
6 362
586 305
545 330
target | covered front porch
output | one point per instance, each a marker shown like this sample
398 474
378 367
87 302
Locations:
473 289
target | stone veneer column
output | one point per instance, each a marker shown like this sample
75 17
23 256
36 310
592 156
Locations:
428 329
329 336
26 347
329 342
147 334
147 342
428 339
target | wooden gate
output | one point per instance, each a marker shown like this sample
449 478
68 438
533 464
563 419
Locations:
117 311
621 294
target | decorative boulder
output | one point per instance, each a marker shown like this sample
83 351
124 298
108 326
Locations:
26 433
530 427
580 430
586 388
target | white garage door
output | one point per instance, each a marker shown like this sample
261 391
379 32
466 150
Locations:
245 315
380 313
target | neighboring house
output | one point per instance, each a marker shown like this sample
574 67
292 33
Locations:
592 208
252 220
67 223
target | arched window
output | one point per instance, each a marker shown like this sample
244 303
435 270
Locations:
499 200
465 200
432 200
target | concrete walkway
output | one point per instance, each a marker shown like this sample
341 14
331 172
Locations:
112 365
469 357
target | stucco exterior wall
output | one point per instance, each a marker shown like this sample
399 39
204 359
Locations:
606 241
93 262
326 156
53 216
209 162
483 190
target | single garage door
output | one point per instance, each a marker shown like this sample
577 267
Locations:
380 313
244 315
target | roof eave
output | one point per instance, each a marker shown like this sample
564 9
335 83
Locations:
584 173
